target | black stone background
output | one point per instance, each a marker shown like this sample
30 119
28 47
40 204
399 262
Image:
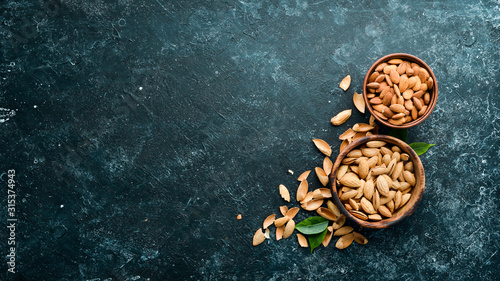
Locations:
140 129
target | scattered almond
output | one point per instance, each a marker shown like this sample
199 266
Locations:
290 226
326 213
323 178
345 83
268 221
343 231
258 237
340 118
359 102
302 240
284 193
302 190
323 147
238 217
344 241
281 221
292 212
303 176
279 232
327 165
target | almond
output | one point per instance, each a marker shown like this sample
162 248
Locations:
367 206
369 152
342 171
351 180
373 85
340 118
398 169
348 195
345 83
303 176
284 193
397 108
384 211
290 226
375 144
375 217
292 212
279 232
382 186
258 237
355 153
281 221
268 221
309 197
322 193
376 200
302 240
360 239
359 215
326 213
409 177
323 147
238 217
343 231
368 189
395 61
345 241
404 199
302 190
339 222
363 169
347 134
332 207
327 239
323 178
362 127
353 204
359 102
283 210
312 205
394 75
327 166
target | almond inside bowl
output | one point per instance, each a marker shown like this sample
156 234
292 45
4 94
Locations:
361 165
400 90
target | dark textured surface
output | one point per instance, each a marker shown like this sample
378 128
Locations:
140 129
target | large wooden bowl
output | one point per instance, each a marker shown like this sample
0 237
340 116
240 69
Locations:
416 193
410 58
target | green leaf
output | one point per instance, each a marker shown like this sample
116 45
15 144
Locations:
316 239
420 147
401 134
312 225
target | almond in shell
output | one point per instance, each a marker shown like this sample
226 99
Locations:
340 118
258 237
323 147
345 241
345 83
359 102
284 193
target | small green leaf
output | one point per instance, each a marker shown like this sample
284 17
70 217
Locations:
420 147
401 134
316 239
312 225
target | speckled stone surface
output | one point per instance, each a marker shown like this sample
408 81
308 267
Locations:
138 130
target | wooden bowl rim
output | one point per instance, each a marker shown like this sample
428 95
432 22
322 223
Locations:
417 191
432 102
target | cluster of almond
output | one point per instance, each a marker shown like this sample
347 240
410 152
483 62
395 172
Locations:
375 180
399 91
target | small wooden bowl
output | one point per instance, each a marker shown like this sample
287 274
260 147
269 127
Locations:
433 98
416 193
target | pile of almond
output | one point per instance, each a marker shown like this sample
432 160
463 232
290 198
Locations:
375 180
399 91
